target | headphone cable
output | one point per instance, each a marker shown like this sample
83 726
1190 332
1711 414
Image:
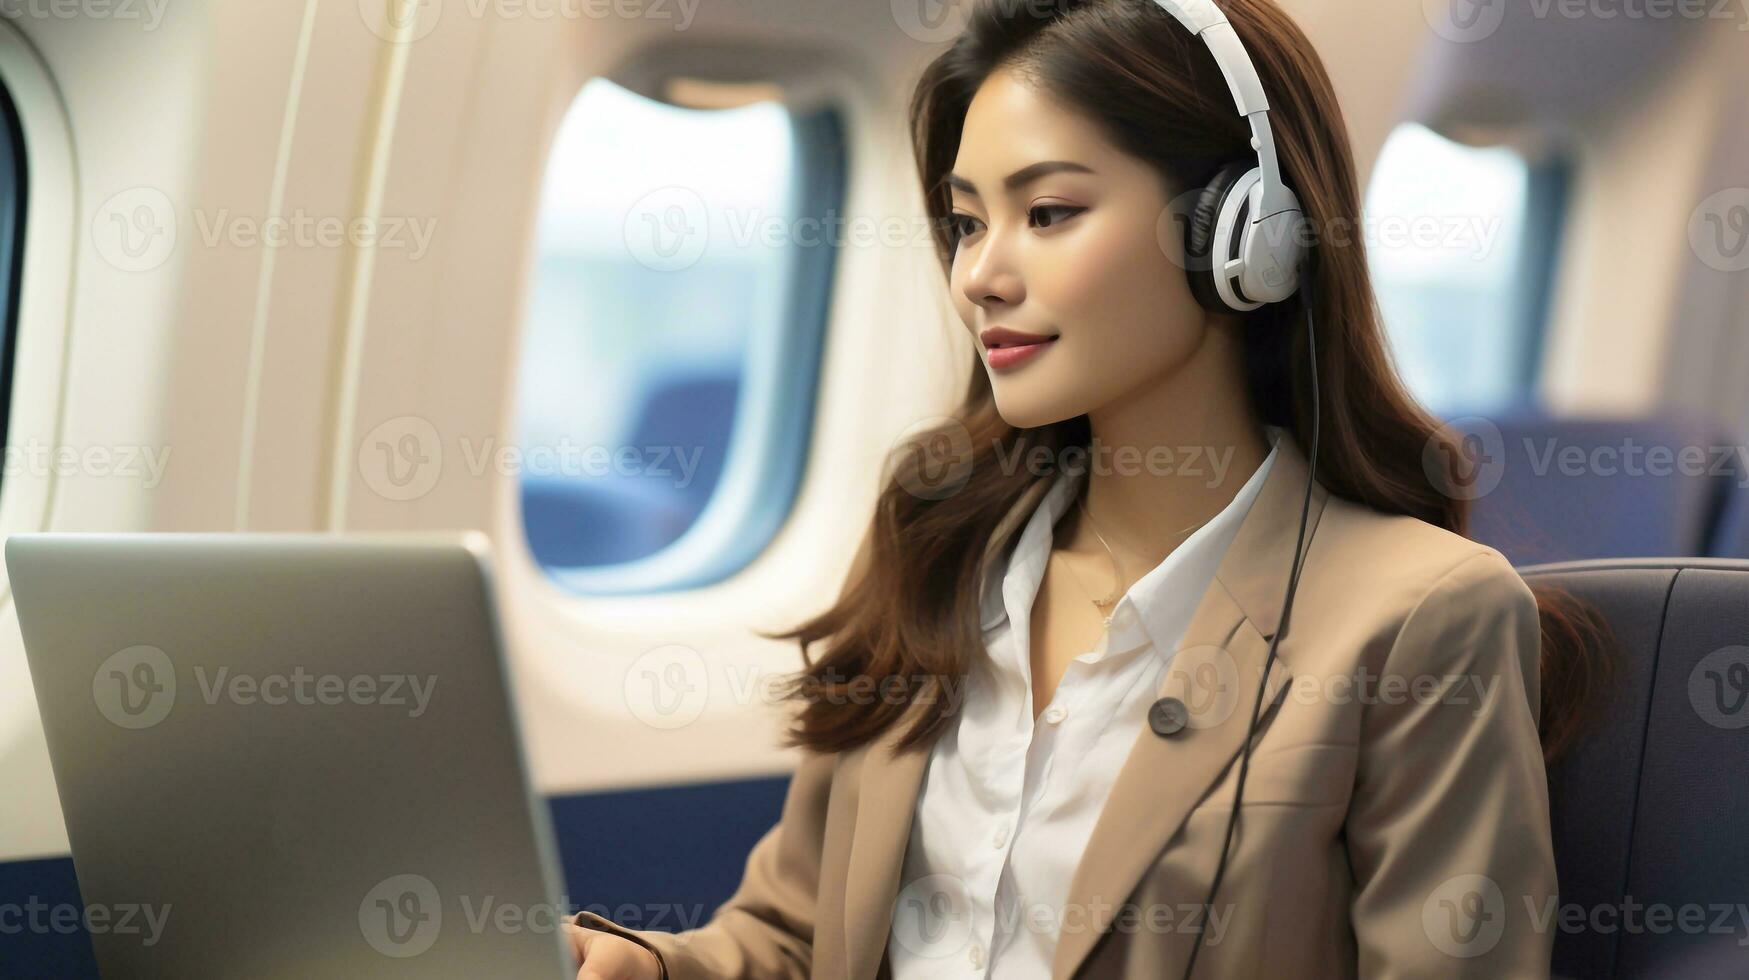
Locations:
1287 609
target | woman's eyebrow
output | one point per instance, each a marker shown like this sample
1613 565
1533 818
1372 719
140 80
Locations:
1021 177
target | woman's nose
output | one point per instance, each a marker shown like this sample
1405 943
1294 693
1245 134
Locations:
993 280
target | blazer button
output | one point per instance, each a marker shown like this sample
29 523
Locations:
1167 716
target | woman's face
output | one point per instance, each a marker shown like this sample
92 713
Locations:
1080 247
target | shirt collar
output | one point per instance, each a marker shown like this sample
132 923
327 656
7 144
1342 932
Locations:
1158 606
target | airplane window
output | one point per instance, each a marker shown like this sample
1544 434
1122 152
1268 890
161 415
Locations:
1461 241
13 188
672 340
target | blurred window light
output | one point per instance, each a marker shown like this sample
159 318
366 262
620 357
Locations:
672 337
1461 242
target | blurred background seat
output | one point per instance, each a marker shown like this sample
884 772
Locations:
1731 540
575 520
1646 807
1571 489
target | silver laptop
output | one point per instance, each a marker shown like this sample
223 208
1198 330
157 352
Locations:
288 755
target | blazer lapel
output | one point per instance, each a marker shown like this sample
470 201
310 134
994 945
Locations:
1214 672
884 805
1161 780
887 798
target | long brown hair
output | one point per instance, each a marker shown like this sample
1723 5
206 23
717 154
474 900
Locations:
908 617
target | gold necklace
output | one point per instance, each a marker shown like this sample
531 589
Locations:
1116 569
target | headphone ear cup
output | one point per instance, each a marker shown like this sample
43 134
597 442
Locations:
1200 242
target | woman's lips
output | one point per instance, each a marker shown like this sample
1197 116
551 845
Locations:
1005 358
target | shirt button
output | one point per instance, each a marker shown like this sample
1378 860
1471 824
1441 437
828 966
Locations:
1000 838
977 955
1054 713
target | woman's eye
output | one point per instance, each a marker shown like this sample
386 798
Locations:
1061 212
1043 216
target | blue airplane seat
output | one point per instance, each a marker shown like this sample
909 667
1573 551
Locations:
571 522
677 446
1732 539
1649 807
692 414
1571 489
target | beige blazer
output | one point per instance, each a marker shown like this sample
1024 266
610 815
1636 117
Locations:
1395 820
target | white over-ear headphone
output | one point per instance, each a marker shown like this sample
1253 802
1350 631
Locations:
1246 235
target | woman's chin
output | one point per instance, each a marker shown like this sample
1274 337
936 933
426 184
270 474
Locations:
1029 411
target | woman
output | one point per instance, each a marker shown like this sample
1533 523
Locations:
1080 613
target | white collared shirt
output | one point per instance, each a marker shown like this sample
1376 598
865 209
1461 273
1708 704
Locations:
1006 806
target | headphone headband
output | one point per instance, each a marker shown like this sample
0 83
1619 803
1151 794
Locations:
1205 20
1247 224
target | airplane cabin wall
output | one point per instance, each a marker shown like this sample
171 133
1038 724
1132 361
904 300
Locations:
272 376
1643 169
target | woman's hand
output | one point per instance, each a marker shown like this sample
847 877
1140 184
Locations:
605 956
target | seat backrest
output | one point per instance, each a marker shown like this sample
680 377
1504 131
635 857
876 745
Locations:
1560 489
691 412
1731 540
1651 808
571 522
